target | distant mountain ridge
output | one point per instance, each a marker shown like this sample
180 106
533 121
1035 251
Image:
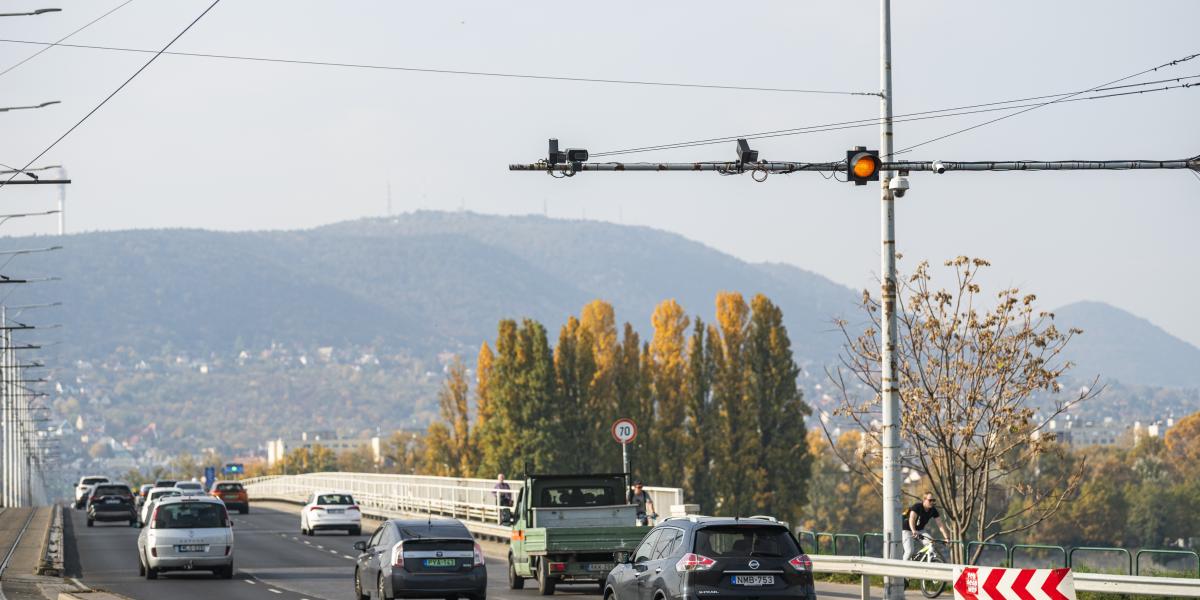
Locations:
429 282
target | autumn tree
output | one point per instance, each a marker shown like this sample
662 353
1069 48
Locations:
700 419
737 418
449 450
487 424
574 367
967 377
667 362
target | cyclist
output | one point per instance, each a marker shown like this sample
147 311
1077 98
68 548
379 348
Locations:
916 517
645 505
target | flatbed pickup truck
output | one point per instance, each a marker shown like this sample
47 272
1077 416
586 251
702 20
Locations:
566 529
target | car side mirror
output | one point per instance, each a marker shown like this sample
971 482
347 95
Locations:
360 545
622 557
506 516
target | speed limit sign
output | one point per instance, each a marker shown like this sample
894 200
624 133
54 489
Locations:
624 430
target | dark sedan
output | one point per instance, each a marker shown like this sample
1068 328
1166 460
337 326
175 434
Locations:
111 502
420 558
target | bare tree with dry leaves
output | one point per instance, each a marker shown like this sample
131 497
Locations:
970 370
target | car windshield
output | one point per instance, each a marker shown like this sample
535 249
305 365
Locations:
189 515
338 499
743 540
112 490
575 495
94 480
229 487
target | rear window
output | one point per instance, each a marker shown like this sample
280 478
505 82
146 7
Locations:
411 532
742 540
161 493
94 480
189 485
164 483
189 515
575 495
338 499
229 487
112 490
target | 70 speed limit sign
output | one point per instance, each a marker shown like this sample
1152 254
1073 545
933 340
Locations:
624 430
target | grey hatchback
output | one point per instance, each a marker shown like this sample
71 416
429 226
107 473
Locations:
693 558
420 558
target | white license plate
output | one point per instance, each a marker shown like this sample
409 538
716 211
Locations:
753 580
191 548
593 567
336 511
111 501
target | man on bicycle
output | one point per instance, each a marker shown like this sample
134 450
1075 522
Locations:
916 518
645 506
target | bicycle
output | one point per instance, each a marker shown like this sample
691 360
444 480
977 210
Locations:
646 520
929 554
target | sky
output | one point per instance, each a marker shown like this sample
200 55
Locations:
251 145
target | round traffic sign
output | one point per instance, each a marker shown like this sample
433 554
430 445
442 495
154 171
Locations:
624 430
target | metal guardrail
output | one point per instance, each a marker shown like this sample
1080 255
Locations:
1084 582
472 501
1137 558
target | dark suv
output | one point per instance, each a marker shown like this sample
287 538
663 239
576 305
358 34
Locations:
693 558
111 502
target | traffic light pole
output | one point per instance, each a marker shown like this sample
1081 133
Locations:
893 587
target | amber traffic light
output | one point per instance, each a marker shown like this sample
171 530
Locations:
862 165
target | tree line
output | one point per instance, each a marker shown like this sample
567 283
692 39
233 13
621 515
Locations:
717 406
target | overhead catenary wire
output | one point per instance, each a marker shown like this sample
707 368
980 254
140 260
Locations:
1021 112
472 73
64 38
908 117
114 92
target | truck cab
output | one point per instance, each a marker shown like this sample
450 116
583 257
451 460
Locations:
567 528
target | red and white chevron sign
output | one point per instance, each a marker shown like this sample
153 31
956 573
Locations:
986 583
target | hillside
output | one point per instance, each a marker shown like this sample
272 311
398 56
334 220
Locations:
1124 347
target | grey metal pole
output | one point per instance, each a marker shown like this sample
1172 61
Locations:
936 166
62 203
890 435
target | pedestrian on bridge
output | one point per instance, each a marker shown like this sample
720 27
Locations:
501 492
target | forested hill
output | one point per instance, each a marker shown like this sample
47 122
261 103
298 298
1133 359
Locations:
421 283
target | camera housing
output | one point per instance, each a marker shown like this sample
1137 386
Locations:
939 167
899 186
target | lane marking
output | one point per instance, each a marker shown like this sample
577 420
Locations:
250 581
307 543
274 591
320 546
333 551
347 557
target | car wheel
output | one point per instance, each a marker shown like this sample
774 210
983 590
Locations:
226 572
243 510
356 530
133 523
382 592
358 591
515 582
546 583
151 573
141 568
90 522
482 595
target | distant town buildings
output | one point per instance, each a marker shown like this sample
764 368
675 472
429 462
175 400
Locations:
1079 433
279 448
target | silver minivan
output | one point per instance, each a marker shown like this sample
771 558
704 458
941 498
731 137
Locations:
186 533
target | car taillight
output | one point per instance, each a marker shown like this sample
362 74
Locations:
801 563
478 555
694 562
227 549
352 507
153 551
558 567
154 520
317 508
398 555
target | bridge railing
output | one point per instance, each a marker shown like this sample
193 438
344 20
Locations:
474 501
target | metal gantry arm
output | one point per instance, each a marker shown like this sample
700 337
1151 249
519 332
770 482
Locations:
936 166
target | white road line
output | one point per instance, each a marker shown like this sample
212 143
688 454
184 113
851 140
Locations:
274 591
295 538
333 551
307 543
347 557
249 581
320 546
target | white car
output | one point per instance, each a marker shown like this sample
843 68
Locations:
152 498
331 510
84 488
187 533
191 488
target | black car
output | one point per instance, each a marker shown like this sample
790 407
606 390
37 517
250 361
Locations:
111 502
420 558
693 558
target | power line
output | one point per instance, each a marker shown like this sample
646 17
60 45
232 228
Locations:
320 63
917 116
114 93
1091 89
64 38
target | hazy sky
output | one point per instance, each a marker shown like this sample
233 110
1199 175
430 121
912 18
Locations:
233 145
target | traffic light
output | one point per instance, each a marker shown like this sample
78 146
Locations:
862 165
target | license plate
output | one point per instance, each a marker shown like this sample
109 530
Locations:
231 496
441 562
593 567
111 501
336 511
753 580
191 548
